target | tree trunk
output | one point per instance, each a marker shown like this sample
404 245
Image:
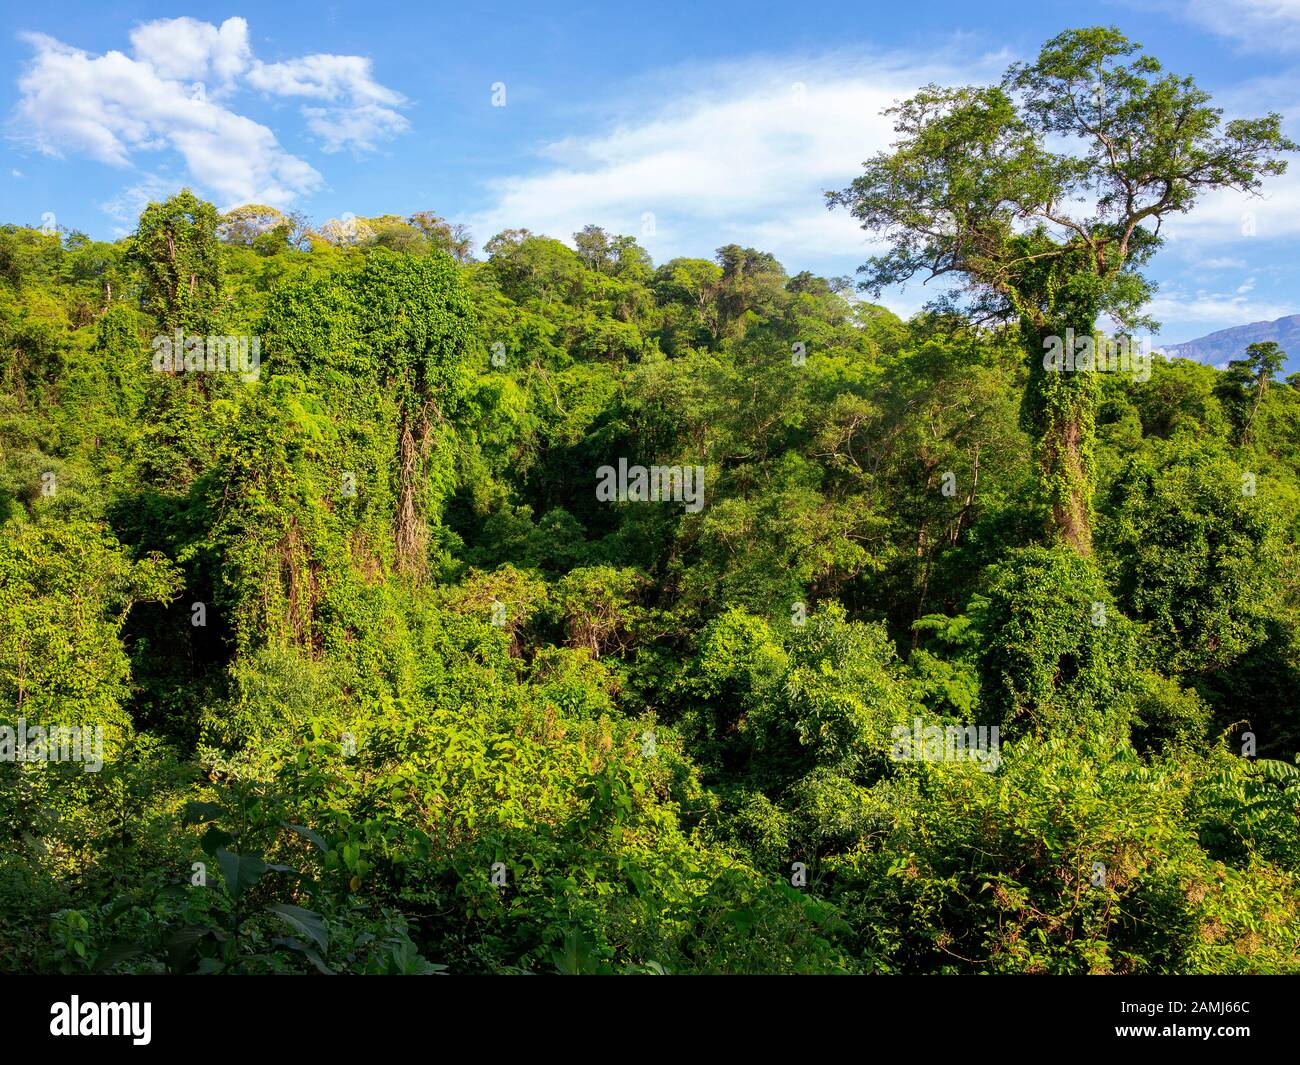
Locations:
1063 469
410 532
1060 413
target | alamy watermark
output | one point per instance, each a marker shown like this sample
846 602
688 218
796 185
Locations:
947 743
78 1018
58 743
656 484
1101 354
214 354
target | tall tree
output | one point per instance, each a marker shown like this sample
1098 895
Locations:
255 225
594 247
452 237
1250 377
397 328
179 256
1042 197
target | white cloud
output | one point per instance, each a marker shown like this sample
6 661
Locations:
360 126
1220 310
742 154
1224 217
1257 25
184 49
112 107
323 77
361 111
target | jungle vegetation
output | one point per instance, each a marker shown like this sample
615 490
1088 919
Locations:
384 687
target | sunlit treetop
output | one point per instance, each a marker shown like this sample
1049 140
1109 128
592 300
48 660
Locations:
1072 163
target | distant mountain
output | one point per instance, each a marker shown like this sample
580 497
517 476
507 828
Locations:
1218 348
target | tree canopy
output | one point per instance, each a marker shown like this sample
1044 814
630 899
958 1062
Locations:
1041 198
385 684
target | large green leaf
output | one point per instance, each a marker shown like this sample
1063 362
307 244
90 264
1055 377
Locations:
181 945
303 921
214 839
308 834
241 871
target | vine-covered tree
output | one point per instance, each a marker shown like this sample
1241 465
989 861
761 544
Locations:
177 252
362 636
1042 197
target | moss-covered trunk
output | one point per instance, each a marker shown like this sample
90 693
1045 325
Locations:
1060 406
411 531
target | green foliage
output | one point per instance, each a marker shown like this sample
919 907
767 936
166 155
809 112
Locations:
386 687
1056 653
1194 558
176 251
980 186
65 591
1072 859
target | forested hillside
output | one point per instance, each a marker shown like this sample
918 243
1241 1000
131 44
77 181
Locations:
388 684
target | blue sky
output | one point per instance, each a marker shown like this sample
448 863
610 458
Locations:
689 125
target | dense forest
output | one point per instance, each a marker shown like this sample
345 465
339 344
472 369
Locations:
549 609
